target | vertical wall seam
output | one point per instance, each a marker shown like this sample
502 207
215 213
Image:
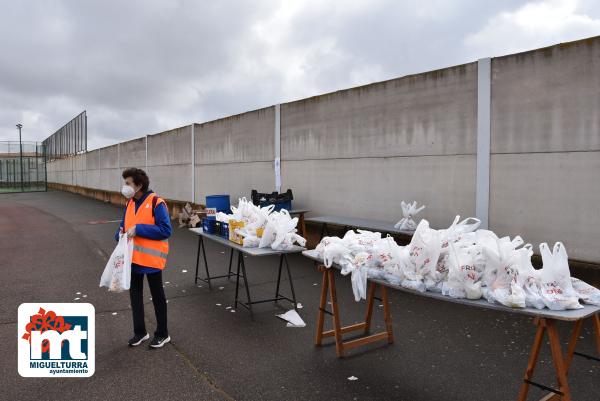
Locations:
484 100
146 167
118 164
193 167
277 161
99 164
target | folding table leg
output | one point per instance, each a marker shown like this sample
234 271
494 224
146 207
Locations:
323 229
370 303
246 285
339 346
561 364
230 260
287 267
571 351
198 258
322 302
205 263
557 358
302 224
533 357
237 278
328 287
387 315
573 343
278 278
596 320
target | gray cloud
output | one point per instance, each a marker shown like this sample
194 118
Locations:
140 67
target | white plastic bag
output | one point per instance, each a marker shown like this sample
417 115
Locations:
409 210
557 288
361 241
383 251
529 279
459 231
488 242
506 288
335 252
250 241
269 233
285 231
117 273
394 272
466 265
358 266
424 252
587 293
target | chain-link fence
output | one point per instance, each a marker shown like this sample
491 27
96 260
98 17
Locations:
22 167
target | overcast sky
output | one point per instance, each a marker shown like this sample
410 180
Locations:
141 67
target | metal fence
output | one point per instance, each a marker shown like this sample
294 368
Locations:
22 167
70 139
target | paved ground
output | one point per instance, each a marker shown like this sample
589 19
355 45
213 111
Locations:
49 251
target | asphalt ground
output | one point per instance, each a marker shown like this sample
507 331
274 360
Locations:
52 246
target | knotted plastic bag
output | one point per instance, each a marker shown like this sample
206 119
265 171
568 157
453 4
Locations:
466 265
424 252
529 279
358 268
409 211
557 287
506 288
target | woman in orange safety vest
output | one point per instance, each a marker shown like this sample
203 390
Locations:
146 221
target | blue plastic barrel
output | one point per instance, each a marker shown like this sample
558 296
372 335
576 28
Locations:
219 202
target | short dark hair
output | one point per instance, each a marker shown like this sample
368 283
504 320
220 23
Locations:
138 176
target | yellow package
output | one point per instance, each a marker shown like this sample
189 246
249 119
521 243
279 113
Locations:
233 236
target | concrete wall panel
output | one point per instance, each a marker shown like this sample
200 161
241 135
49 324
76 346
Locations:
235 179
172 182
547 100
548 197
434 113
373 188
170 147
247 137
133 153
92 161
109 157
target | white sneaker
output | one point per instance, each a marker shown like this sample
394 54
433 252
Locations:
137 340
158 342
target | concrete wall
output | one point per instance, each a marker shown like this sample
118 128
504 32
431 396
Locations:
359 152
235 154
109 171
169 163
545 162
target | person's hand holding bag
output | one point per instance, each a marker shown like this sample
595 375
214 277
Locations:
131 232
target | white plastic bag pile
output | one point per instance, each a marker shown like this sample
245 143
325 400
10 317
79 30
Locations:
461 261
279 233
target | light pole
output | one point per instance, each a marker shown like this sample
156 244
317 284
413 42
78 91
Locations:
19 126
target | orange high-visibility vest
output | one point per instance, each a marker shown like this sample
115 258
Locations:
146 252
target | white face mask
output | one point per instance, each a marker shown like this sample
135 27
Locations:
127 191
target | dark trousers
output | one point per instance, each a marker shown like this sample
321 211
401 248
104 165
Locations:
136 294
